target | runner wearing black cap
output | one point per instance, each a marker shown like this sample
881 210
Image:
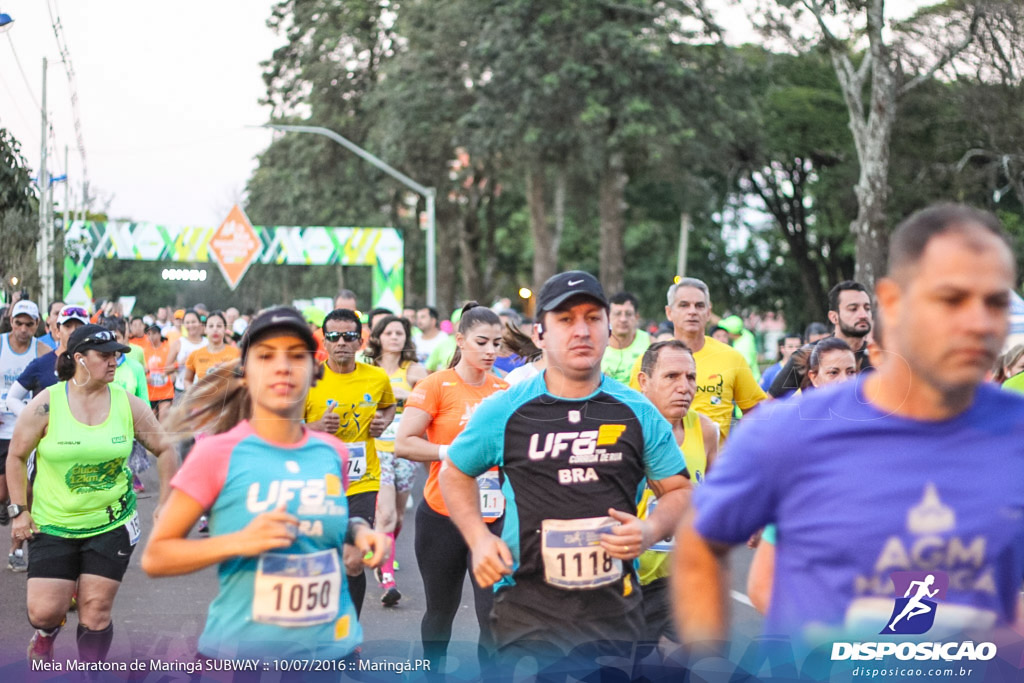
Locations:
573 448
83 525
275 491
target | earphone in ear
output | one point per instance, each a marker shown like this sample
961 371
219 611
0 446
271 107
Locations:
81 361
540 330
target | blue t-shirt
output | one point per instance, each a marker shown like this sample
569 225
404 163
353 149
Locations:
509 363
856 494
40 373
769 376
291 603
566 459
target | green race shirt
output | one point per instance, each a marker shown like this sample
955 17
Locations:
617 363
83 485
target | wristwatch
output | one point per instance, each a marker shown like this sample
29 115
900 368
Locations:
13 510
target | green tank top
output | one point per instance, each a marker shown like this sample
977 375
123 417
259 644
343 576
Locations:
83 486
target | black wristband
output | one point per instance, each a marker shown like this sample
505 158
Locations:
350 533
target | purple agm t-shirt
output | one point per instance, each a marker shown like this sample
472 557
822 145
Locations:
857 494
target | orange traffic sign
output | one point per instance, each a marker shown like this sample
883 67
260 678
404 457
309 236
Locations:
234 246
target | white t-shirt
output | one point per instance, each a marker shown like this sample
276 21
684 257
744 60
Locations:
425 346
522 373
184 351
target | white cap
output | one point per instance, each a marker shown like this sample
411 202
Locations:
239 326
25 307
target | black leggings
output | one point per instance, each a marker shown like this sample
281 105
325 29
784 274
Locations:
444 559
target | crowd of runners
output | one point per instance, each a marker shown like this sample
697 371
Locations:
577 464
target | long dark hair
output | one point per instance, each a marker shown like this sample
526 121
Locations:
375 350
516 341
473 314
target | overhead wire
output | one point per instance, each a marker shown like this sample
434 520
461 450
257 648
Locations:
69 70
28 85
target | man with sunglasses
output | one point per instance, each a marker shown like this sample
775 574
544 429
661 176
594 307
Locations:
18 348
42 372
354 402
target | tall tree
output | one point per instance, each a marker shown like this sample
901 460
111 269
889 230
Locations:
19 226
873 78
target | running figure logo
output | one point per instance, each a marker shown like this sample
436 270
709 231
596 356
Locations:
914 613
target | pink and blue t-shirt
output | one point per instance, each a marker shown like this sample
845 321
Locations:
857 494
292 602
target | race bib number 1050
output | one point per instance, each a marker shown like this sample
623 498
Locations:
297 590
573 556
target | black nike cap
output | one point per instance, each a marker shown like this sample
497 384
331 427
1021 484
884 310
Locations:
282 318
570 284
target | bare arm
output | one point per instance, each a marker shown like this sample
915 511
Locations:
152 436
169 553
491 557
673 499
28 432
414 374
761 576
709 429
700 581
410 442
381 419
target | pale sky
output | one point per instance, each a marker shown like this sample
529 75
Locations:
166 92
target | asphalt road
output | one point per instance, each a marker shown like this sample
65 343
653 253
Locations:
161 619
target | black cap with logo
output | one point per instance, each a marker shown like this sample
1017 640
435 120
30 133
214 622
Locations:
564 286
276 319
94 338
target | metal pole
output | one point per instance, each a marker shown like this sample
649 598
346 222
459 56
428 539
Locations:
44 185
431 250
428 193
684 240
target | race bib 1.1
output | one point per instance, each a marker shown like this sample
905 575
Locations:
297 590
663 546
134 529
356 461
492 500
573 556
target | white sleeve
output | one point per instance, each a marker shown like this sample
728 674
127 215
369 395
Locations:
17 399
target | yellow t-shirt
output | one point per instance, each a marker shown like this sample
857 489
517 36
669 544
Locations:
358 395
654 564
723 376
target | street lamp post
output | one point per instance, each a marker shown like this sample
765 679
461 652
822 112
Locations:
428 193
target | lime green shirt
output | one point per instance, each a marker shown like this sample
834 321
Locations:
618 363
1015 383
442 354
83 485
131 376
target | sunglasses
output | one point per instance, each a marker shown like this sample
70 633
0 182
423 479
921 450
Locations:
73 310
101 337
347 336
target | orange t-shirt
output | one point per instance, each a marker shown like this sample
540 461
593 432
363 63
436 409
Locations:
450 403
202 359
321 350
160 385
